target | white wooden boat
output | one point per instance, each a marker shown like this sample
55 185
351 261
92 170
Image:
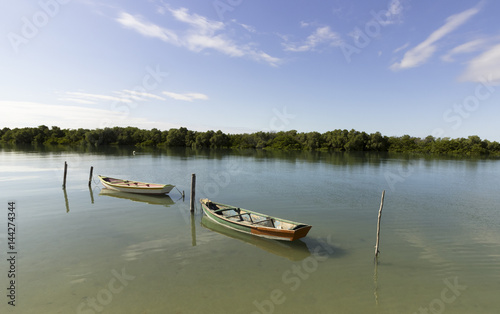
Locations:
135 186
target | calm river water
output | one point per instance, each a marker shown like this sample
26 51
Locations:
84 250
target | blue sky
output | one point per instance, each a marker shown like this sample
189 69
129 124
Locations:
398 66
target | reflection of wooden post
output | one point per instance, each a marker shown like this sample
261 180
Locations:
66 200
65 173
378 224
193 231
193 186
91 195
375 280
90 177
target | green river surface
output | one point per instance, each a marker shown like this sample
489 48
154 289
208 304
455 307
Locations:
82 250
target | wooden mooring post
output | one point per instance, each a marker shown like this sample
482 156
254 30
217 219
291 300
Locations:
193 187
378 224
90 177
65 173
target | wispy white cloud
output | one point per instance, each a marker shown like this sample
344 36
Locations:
24 113
201 34
95 98
484 68
422 52
471 46
147 29
249 28
186 96
401 48
139 96
201 23
78 100
321 36
124 96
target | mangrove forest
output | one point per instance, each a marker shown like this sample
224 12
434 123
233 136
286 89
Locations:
336 140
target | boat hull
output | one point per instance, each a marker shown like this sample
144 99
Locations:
135 186
278 229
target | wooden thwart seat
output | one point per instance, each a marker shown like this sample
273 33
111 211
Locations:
224 209
241 218
236 215
265 220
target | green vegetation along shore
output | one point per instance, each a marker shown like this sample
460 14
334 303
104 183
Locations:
336 140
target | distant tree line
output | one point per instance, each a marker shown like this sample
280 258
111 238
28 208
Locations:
336 140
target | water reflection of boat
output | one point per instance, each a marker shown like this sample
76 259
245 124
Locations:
164 200
294 251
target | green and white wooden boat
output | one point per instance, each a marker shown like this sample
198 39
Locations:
135 186
251 222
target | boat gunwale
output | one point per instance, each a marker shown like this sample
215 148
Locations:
230 207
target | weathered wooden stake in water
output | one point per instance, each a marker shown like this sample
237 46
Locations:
90 177
65 173
193 186
378 224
